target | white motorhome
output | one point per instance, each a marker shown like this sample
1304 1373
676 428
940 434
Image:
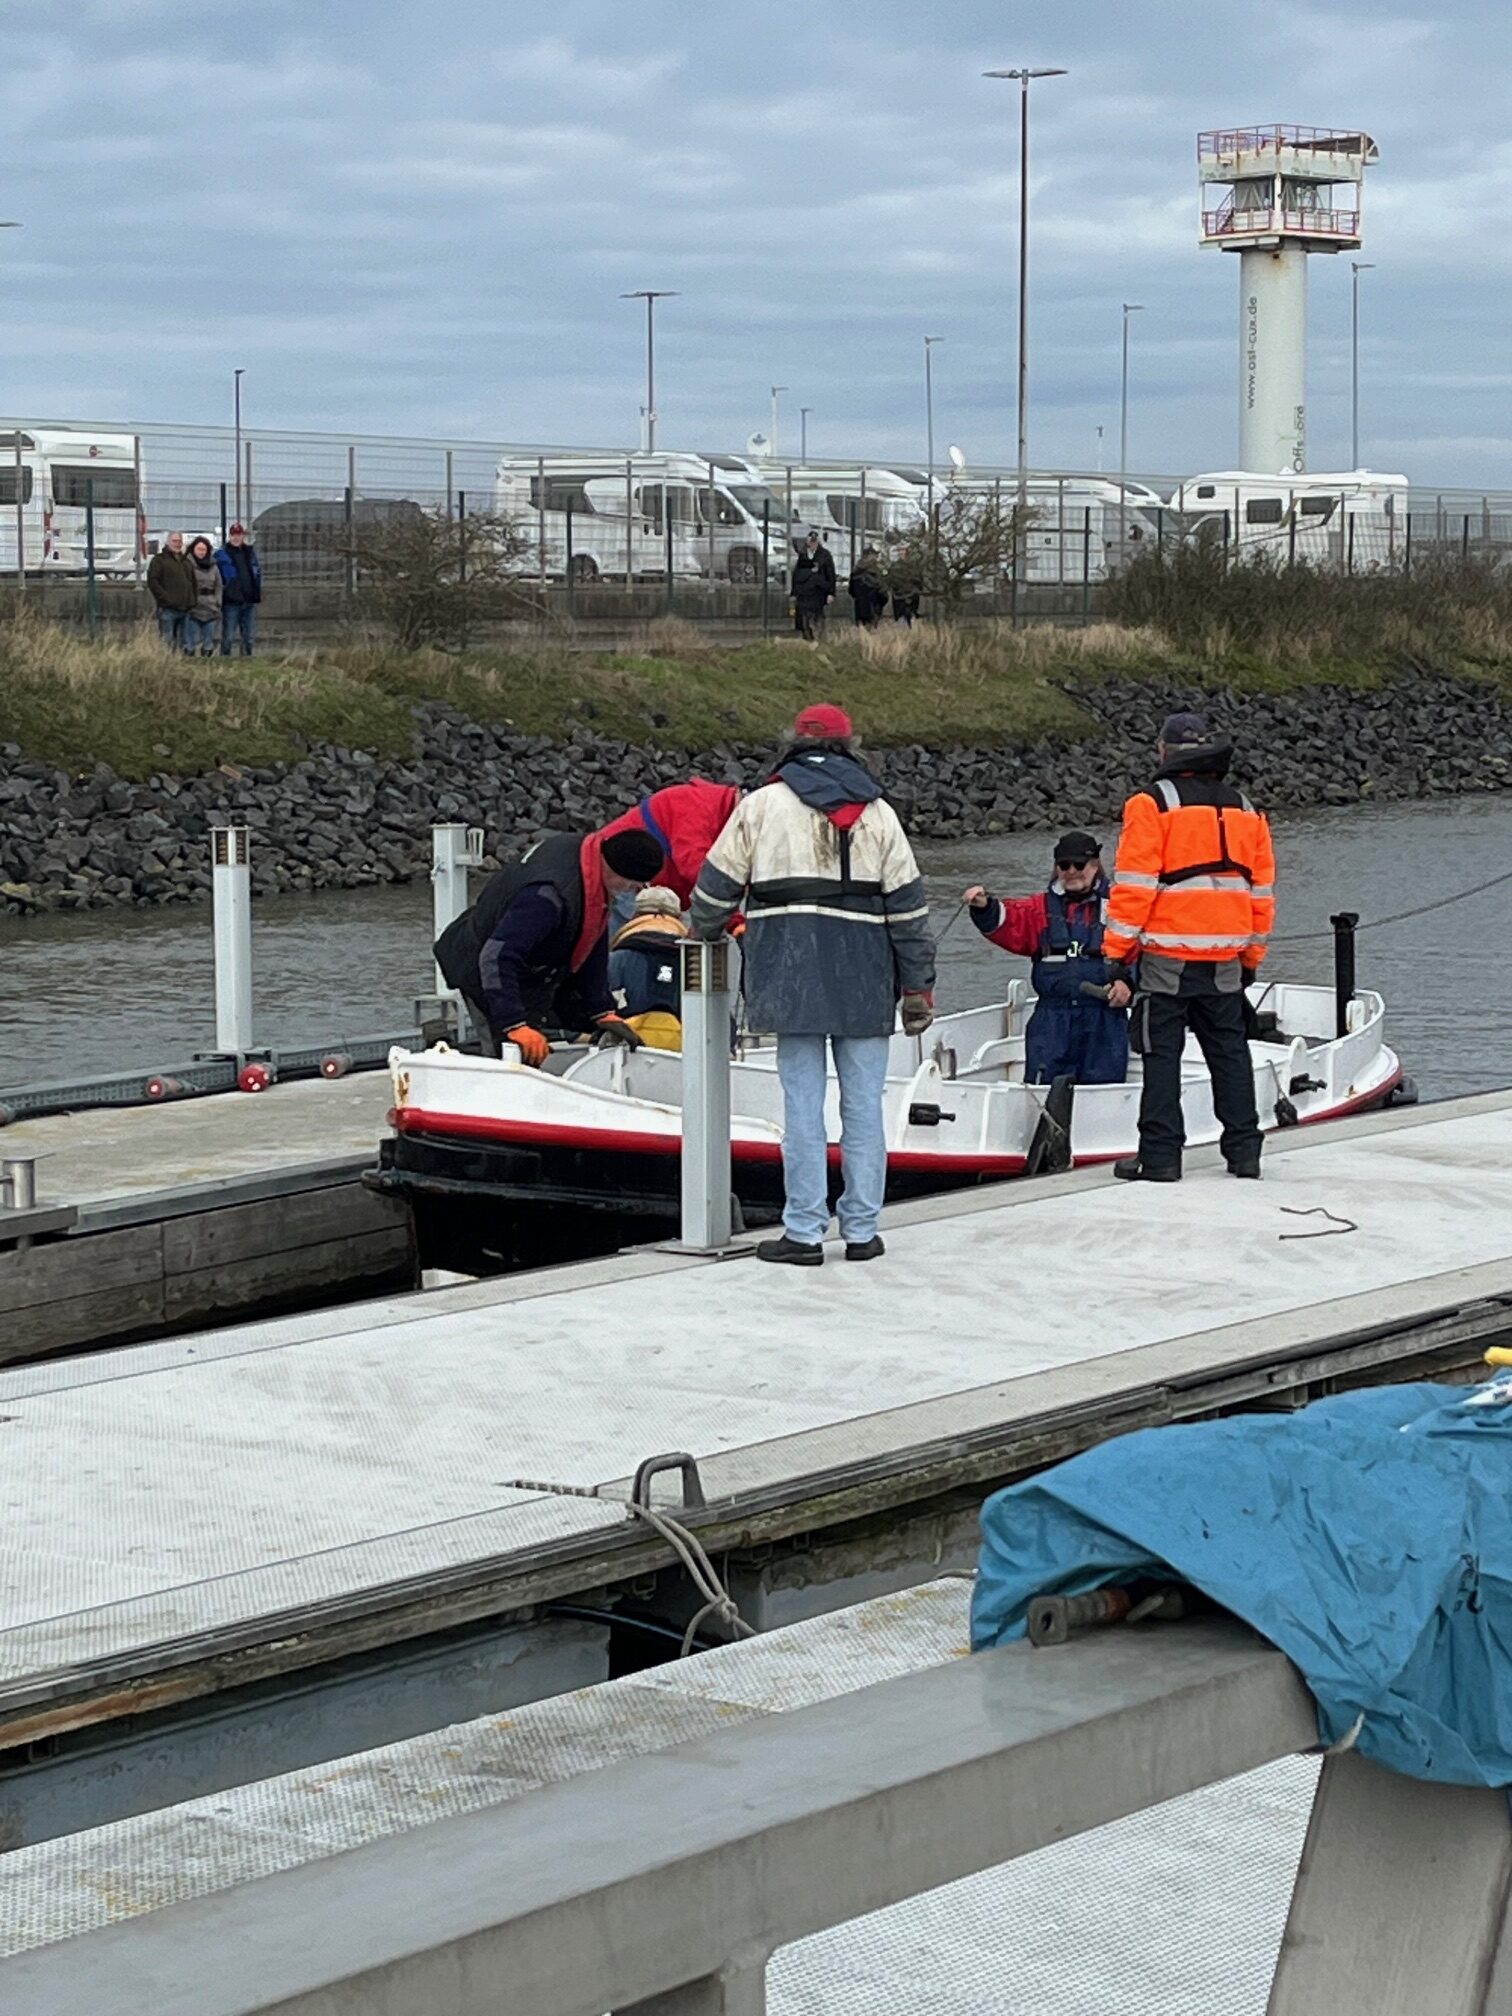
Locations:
49 477
1084 528
1354 518
852 505
715 514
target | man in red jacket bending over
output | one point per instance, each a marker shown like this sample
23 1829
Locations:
684 820
1070 1034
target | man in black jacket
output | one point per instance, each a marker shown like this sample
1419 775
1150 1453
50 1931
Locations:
533 951
170 583
813 588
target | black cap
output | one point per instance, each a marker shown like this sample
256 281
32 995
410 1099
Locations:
633 854
1181 731
1077 849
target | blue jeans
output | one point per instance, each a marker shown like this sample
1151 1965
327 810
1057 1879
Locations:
199 633
238 619
171 628
861 1064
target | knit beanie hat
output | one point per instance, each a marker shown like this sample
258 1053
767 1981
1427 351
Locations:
633 854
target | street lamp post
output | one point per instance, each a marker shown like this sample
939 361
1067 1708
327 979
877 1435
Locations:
929 343
1356 268
776 389
803 413
236 378
1023 79
650 295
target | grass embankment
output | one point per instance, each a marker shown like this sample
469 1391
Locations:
136 707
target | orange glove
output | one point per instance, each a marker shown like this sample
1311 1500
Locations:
615 1029
531 1044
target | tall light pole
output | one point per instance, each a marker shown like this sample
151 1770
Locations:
776 389
1356 268
650 295
803 413
929 343
1023 78
236 378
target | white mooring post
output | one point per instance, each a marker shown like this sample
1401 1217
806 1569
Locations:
231 891
454 849
706 1094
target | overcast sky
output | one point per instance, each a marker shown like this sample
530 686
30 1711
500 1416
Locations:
417 219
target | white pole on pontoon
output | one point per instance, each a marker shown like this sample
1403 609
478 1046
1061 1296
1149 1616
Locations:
231 897
706 1095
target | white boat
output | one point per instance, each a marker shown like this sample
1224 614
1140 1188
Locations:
484 1146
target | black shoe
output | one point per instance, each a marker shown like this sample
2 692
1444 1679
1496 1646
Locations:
865 1249
1250 1169
790 1252
1132 1170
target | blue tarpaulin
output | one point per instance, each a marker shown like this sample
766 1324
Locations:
1369 1537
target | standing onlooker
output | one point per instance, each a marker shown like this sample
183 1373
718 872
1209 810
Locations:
203 619
813 588
241 590
170 583
905 581
837 928
866 589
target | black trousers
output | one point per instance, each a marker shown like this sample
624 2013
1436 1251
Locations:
1158 1029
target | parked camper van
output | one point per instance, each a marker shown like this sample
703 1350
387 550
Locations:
1349 519
1084 528
54 476
602 517
853 506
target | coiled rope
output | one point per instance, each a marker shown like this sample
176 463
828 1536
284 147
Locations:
718 1602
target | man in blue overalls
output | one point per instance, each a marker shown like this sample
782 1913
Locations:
1070 1034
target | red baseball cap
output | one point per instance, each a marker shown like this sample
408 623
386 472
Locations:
823 724
238 528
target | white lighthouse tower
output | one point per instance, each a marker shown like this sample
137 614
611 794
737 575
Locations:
1273 194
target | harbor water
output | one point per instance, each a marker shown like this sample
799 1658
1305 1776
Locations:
85 994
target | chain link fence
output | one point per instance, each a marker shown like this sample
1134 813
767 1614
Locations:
608 538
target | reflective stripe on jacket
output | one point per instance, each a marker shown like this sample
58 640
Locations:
1195 875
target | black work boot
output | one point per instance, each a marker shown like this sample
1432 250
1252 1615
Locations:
1250 1166
1132 1170
790 1252
865 1249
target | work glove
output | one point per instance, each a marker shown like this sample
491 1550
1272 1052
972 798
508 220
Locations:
531 1044
615 1029
918 1013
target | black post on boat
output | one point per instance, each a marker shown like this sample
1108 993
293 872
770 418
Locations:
1344 967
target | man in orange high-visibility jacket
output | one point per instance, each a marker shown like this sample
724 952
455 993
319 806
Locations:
1193 900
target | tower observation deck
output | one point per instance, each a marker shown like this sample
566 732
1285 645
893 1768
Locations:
1273 194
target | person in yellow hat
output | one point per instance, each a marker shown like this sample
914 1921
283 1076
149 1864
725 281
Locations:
643 968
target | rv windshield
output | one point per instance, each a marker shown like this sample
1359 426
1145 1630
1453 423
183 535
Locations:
114 488
756 500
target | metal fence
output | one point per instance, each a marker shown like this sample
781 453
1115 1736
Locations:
92 502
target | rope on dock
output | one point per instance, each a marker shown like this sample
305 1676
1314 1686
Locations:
718 1602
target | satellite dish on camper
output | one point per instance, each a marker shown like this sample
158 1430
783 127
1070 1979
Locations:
957 458
757 444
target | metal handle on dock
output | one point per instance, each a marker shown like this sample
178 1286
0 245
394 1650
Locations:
18 1182
656 1466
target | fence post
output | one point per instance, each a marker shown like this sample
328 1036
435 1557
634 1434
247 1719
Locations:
231 897
1060 533
247 486
92 590
462 565
20 515
1086 608
666 504
629 526
1407 547
571 590
448 483
1465 537
789 533
541 526
766 569
224 520
862 514
349 570
139 527
1225 539
711 538
1291 534
1349 542
1160 534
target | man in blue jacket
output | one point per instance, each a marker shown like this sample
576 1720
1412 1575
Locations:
241 576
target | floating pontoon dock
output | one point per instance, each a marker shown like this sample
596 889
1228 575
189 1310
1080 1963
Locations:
238 1553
